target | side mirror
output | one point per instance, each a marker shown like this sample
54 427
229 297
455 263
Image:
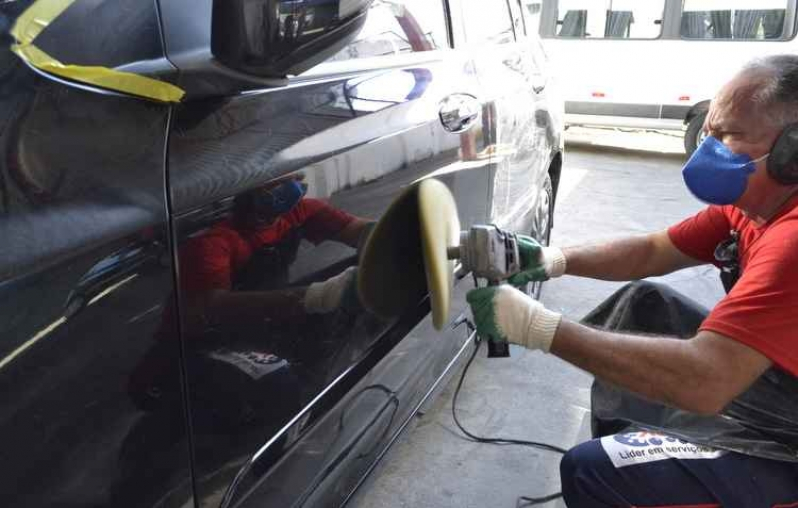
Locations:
276 38
216 48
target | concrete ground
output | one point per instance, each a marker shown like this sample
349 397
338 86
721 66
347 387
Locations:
613 184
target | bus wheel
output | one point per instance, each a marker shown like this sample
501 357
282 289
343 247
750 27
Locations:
694 134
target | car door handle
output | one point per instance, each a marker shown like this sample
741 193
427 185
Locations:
459 112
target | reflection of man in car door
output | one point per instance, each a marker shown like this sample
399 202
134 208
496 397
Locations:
234 282
239 306
237 272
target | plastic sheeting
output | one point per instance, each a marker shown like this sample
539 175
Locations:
762 422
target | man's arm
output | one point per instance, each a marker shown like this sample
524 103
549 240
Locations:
351 233
628 259
702 375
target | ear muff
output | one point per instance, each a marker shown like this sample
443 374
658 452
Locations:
782 163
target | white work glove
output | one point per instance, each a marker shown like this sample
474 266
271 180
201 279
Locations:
505 312
538 263
339 291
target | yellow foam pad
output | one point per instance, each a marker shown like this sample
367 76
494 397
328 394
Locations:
440 229
404 257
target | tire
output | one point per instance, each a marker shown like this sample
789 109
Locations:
694 134
544 218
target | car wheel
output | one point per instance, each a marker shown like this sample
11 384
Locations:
541 227
694 134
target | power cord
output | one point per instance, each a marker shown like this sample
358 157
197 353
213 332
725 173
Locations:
522 500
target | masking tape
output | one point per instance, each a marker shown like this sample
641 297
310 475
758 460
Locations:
43 12
101 76
36 18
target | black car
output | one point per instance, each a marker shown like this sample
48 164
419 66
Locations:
185 186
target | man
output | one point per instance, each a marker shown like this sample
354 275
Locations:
715 415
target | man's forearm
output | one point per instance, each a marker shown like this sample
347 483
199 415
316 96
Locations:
352 233
617 260
664 370
627 259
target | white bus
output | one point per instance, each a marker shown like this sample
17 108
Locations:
655 64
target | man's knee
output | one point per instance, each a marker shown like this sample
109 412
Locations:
579 474
628 305
644 286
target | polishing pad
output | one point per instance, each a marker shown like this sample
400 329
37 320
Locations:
440 229
405 256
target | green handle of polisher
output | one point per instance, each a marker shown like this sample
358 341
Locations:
497 346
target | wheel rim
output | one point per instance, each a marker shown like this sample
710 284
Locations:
543 218
541 232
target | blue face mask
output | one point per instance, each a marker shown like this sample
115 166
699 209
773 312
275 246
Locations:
279 200
286 196
716 175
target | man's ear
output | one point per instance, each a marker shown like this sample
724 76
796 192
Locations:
782 164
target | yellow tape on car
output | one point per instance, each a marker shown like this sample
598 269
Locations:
35 19
38 16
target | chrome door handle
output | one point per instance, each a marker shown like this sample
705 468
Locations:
459 112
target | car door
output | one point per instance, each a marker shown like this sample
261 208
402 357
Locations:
273 193
85 267
515 86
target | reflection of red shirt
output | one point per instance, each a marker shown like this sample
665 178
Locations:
210 260
762 309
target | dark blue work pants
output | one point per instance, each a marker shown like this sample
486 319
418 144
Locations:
651 470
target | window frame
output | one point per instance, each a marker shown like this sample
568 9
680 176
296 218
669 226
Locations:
517 9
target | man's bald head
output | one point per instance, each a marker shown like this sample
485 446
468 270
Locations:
748 115
770 85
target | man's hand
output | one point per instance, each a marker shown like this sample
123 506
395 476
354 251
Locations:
538 263
505 312
337 292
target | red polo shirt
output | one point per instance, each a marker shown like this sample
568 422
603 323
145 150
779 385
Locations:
762 309
210 260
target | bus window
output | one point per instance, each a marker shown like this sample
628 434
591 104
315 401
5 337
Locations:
610 19
740 19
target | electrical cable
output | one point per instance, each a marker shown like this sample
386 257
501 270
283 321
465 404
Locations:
522 500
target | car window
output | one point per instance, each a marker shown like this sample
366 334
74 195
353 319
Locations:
400 31
487 21
745 20
394 28
610 19
532 9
